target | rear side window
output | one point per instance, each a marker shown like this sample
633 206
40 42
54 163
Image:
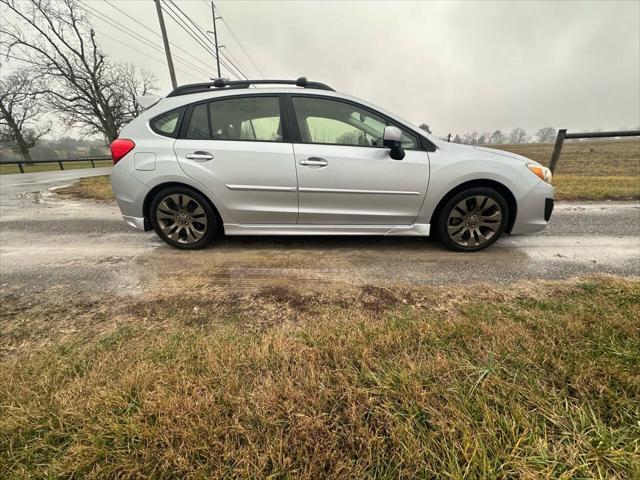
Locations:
168 123
246 119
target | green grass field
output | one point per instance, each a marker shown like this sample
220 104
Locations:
47 167
537 380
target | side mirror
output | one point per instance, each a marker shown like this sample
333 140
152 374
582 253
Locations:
391 138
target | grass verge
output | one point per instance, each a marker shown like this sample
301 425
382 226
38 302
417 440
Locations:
89 188
47 167
568 187
581 187
537 380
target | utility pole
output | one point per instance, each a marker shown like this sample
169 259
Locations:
215 38
165 40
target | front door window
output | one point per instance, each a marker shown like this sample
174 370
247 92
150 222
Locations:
326 121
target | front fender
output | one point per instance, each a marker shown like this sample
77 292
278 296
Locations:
448 173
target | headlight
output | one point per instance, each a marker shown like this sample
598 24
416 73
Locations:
542 172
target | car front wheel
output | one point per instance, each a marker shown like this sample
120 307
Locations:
183 218
473 219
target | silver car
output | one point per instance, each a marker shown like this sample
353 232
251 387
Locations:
299 158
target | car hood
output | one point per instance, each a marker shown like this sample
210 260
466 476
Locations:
503 153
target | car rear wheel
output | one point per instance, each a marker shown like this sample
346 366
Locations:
473 219
183 218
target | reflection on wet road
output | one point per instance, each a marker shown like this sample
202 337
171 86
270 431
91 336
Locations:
46 241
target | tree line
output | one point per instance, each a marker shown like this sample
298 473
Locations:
66 75
517 135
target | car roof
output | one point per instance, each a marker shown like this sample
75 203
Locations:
169 103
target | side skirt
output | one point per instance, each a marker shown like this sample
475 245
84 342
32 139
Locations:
415 230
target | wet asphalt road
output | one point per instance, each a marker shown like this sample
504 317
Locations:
85 246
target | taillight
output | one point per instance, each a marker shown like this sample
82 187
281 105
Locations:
120 147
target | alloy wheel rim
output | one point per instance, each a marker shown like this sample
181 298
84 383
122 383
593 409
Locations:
474 221
181 218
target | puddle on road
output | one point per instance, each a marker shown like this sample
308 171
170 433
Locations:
86 245
612 251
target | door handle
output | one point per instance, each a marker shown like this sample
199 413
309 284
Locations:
200 156
314 162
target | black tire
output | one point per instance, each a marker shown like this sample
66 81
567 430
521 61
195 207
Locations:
179 221
478 227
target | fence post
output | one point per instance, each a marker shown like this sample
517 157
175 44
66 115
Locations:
93 165
60 163
557 149
20 167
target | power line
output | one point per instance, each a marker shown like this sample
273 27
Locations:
101 33
230 58
165 43
155 33
233 58
218 47
180 22
6 55
236 66
146 54
226 24
199 29
105 18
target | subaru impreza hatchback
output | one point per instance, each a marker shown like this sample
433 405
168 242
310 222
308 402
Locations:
301 159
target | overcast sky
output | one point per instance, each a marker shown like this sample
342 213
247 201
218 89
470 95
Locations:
458 66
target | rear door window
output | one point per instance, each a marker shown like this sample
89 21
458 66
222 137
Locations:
246 119
198 128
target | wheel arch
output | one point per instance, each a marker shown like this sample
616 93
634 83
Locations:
146 206
499 187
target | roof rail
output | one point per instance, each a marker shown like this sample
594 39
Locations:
224 83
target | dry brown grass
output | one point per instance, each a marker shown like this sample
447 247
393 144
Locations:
581 187
615 158
606 170
537 380
89 188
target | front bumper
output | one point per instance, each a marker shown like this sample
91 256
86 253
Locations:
534 209
548 208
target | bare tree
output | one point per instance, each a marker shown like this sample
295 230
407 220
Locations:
546 135
470 138
457 139
19 111
81 84
518 135
497 137
134 85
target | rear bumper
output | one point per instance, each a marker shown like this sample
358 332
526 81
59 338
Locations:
129 193
534 209
136 222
